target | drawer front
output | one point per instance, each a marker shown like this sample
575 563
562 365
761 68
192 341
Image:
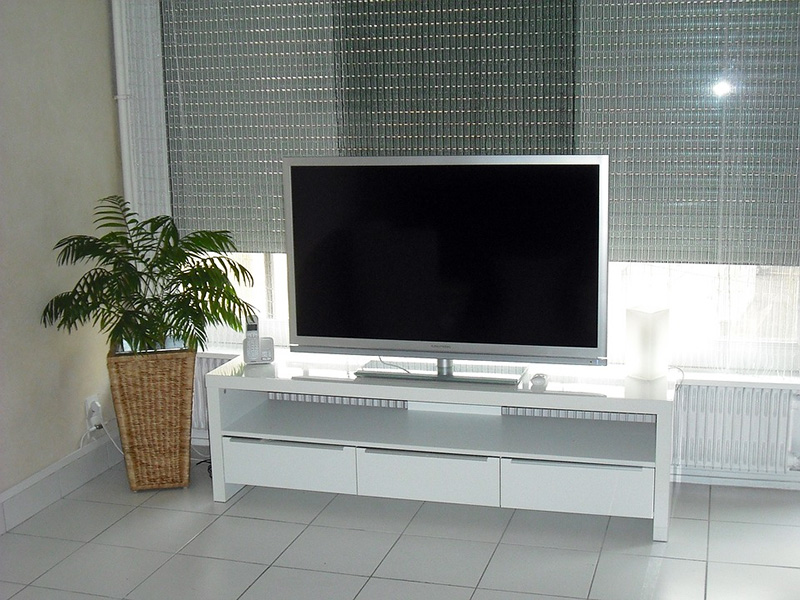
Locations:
580 488
426 476
290 465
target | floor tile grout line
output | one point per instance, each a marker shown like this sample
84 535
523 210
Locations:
305 528
178 552
394 544
494 552
215 517
599 557
83 543
286 548
266 567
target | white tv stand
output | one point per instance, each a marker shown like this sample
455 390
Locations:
452 444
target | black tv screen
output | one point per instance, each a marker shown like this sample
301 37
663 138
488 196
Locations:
449 257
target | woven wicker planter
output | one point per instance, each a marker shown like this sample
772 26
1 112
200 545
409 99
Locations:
152 395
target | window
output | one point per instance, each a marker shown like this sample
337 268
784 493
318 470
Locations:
696 102
736 318
268 294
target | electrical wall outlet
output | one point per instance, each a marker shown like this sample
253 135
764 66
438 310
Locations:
94 412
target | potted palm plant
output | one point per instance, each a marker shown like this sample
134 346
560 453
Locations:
153 293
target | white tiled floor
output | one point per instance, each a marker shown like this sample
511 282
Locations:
104 541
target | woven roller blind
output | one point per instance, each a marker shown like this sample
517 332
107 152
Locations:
695 177
454 77
246 84
249 83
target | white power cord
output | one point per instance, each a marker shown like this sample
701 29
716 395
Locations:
203 458
100 427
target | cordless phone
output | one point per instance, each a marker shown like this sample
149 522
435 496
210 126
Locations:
256 349
252 347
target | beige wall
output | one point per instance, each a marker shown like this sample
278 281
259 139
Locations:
59 153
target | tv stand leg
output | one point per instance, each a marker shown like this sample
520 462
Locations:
660 534
444 367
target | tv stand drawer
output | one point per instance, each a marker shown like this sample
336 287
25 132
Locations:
429 476
581 488
325 468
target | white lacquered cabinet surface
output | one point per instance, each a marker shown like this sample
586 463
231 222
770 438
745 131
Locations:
283 464
455 478
614 490
452 444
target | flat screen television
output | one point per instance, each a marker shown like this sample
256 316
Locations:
498 258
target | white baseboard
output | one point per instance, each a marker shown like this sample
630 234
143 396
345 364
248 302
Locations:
63 477
53 483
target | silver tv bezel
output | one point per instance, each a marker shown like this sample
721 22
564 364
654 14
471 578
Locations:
595 355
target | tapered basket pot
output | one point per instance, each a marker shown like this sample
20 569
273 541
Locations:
152 395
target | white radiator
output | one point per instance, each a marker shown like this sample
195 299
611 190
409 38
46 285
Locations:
203 364
734 429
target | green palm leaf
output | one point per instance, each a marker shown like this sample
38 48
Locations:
148 283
